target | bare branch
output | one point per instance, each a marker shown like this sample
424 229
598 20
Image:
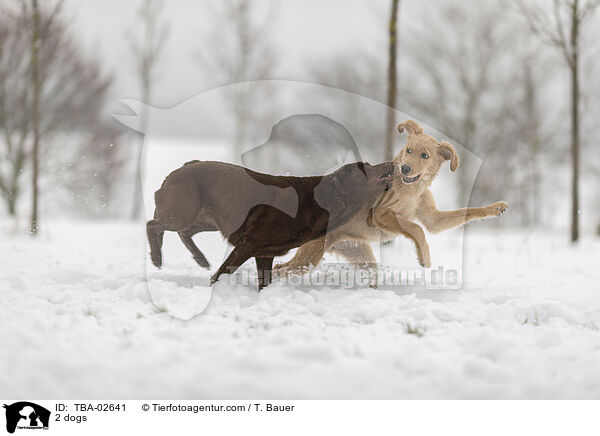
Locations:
540 24
72 93
561 41
588 10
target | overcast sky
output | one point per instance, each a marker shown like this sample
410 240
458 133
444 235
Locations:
304 31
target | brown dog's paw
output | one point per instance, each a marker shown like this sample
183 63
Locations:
156 259
499 207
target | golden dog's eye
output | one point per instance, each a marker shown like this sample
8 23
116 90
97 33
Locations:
424 155
408 150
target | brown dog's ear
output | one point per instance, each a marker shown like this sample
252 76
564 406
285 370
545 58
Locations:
341 184
447 151
411 127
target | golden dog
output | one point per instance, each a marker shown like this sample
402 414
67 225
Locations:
408 199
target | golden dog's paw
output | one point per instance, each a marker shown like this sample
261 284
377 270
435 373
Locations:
498 208
282 271
425 260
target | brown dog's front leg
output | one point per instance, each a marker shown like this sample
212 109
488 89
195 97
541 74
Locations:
394 223
236 258
264 266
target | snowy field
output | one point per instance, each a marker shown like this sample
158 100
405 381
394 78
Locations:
76 321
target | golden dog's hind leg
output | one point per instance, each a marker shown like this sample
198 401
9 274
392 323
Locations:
308 254
388 220
357 252
360 254
436 221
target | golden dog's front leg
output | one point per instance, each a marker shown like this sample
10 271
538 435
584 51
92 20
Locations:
391 222
437 221
496 209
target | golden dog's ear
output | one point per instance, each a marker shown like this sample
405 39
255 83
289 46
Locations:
411 127
448 152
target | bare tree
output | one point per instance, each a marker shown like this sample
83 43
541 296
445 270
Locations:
452 75
561 29
342 71
147 50
71 97
37 39
35 114
391 97
238 50
91 173
536 127
14 106
533 136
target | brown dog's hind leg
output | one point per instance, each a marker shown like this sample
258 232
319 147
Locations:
155 231
186 238
264 266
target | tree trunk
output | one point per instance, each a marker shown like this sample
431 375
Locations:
574 64
532 196
391 97
12 206
35 78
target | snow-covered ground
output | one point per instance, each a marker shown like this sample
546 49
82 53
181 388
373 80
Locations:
76 320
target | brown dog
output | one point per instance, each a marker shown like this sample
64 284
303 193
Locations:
409 199
261 215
